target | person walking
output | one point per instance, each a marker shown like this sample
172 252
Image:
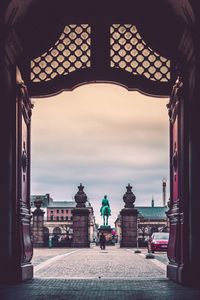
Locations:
102 241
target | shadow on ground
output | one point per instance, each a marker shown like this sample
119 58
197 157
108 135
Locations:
90 289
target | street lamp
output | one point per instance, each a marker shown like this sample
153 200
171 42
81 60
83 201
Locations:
137 250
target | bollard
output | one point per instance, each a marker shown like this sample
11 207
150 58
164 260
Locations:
50 242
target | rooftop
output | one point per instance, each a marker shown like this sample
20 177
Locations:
62 204
149 212
65 204
48 202
46 199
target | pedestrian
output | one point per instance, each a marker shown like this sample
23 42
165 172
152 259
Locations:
102 241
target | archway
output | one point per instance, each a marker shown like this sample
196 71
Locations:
107 58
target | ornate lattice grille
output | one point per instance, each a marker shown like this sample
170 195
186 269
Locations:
72 51
129 52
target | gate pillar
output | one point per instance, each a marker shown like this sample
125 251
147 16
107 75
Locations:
38 225
178 214
15 113
184 205
129 222
80 220
194 174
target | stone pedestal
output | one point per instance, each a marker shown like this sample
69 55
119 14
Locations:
129 220
38 225
80 220
107 231
80 228
129 227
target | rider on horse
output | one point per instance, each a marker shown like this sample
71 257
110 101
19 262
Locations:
105 210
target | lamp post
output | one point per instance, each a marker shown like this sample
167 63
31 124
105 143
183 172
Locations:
137 250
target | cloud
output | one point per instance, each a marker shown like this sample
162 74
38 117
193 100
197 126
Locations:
105 137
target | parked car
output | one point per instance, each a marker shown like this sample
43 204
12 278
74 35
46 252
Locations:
158 242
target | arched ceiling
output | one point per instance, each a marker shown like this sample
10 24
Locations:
39 24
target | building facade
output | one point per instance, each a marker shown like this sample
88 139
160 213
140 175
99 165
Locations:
58 218
150 219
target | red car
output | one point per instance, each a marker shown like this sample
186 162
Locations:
158 241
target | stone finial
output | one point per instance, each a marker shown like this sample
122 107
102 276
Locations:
129 197
38 211
80 197
38 203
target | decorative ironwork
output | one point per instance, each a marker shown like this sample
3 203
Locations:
129 52
83 51
175 161
71 52
24 159
174 103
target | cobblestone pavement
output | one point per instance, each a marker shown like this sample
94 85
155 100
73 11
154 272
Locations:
92 274
42 254
95 263
99 289
162 257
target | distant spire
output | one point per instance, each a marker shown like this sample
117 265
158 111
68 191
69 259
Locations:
152 202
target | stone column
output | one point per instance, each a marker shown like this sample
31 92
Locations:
38 225
129 220
15 115
80 220
7 170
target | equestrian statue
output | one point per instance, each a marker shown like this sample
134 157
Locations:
105 210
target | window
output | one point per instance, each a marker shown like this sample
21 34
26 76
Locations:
66 218
51 218
51 211
57 218
62 218
57 211
62 211
71 218
67 211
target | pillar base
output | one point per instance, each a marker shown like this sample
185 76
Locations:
174 272
25 272
129 227
184 275
18 275
80 228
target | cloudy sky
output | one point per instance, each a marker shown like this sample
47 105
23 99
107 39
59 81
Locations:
104 137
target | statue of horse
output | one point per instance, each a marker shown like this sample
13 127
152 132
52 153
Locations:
105 210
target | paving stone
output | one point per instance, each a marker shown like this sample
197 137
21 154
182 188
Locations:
95 263
92 274
82 289
42 254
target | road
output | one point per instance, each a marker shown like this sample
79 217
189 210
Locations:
88 274
114 262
